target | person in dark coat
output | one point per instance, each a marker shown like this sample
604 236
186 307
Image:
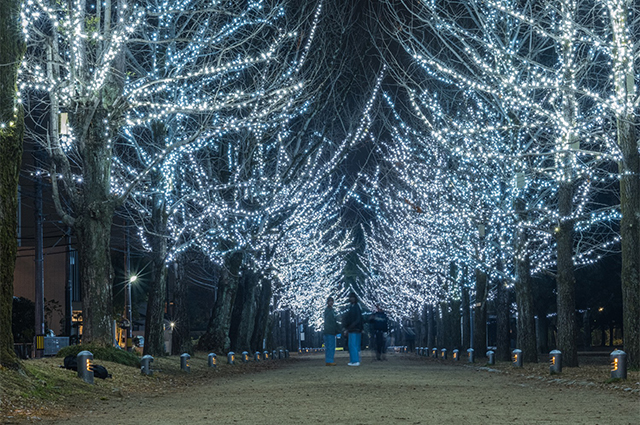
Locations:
379 328
353 324
331 329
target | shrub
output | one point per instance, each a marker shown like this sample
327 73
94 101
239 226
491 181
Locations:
109 354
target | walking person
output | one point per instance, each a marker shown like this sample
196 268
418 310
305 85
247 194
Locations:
380 327
331 329
353 325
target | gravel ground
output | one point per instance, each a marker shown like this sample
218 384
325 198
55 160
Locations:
403 389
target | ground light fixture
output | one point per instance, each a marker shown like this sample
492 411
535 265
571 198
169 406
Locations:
618 364
516 358
555 362
184 362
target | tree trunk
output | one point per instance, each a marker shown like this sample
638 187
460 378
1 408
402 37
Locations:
95 208
503 336
249 311
431 331
440 329
96 274
566 282
237 311
526 340
480 314
466 319
154 326
629 169
630 240
586 329
11 136
542 332
455 340
216 337
181 334
261 323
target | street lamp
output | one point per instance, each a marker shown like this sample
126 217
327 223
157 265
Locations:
131 279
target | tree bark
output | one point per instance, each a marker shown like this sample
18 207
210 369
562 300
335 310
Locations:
94 206
216 338
455 340
181 334
249 311
440 329
629 168
431 331
237 311
480 314
566 282
154 326
526 340
503 336
261 323
96 274
11 137
466 319
542 332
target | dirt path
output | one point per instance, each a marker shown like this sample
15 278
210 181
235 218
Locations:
398 391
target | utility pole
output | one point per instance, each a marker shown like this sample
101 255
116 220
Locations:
68 289
129 280
39 262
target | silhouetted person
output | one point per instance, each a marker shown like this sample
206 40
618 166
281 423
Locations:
331 329
353 324
379 327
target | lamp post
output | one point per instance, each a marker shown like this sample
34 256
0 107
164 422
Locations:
131 279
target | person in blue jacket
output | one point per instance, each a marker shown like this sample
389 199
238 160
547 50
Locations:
353 324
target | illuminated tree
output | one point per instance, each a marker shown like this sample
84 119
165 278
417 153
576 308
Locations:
308 259
532 64
93 63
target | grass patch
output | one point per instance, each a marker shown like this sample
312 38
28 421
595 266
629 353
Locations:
108 354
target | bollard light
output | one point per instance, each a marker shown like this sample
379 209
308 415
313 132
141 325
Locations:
443 354
471 355
618 364
231 357
491 357
456 355
434 353
184 362
555 362
145 365
213 360
266 355
245 357
256 356
516 358
84 360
